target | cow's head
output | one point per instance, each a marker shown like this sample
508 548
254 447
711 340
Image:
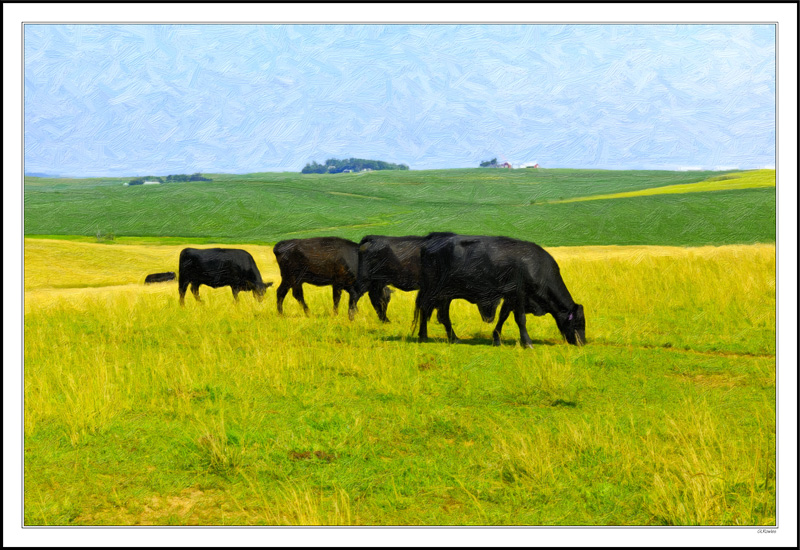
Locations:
488 308
259 289
572 325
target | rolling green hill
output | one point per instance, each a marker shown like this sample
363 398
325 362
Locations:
267 207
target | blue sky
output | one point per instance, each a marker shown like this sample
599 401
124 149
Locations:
125 100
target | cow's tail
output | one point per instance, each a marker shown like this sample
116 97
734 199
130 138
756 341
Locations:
183 258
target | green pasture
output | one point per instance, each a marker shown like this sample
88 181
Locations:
264 208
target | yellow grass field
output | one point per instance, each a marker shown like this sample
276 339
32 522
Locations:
637 282
140 412
57 269
742 180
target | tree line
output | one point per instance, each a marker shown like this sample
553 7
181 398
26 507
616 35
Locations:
335 166
169 179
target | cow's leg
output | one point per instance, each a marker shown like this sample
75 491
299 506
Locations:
443 316
196 292
423 325
425 313
504 312
281 293
235 293
377 297
352 306
519 317
337 295
297 292
182 285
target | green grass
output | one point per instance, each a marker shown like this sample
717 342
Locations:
264 208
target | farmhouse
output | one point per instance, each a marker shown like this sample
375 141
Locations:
152 183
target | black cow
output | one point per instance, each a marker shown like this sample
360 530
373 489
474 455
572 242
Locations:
319 261
217 267
159 277
483 270
393 261
386 261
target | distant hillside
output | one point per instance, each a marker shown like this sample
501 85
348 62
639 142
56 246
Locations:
269 207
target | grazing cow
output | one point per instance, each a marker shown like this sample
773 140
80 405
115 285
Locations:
319 261
392 261
386 261
217 267
483 270
159 277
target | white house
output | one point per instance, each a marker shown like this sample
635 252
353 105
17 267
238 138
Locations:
152 183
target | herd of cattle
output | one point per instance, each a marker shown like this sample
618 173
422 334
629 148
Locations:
442 266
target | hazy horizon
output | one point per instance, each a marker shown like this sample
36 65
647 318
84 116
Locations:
159 174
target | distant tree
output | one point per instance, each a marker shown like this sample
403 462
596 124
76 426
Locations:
314 168
489 163
335 166
184 177
140 181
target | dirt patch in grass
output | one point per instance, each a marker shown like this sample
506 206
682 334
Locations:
308 455
180 505
451 505
191 506
714 380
